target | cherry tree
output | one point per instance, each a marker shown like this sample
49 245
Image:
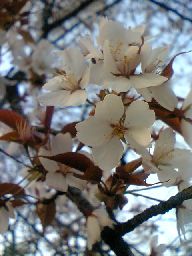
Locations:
128 128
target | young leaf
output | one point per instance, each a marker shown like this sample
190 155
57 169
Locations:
11 118
73 160
10 188
46 213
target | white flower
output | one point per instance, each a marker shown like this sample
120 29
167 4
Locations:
43 58
105 130
120 64
186 122
117 34
96 60
19 50
171 164
60 176
93 231
67 88
6 212
152 60
184 213
95 224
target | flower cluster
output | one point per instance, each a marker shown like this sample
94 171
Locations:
135 88
134 91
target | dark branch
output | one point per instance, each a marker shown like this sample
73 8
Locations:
110 236
170 9
57 23
161 208
116 242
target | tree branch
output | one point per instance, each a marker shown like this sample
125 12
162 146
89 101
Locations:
116 242
170 9
110 236
161 208
49 27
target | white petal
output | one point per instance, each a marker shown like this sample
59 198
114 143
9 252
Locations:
4 220
139 114
182 159
111 109
164 145
85 78
112 31
103 217
76 98
56 98
61 143
49 165
94 132
188 100
117 84
55 84
141 136
73 62
186 128
75 182
184 223
147 80
96 73
93 231
156 58
109 62
146 50
108 156
146 93
57 181
87 47
167 176
170 101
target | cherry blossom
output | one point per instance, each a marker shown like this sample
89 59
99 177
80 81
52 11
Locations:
184 220
67 88
120 66
60 176
152 60
106 130
95 223
171 164
42 60
117 36
186 122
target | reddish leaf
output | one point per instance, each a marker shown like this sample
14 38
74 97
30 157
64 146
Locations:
73 160
129 167
46 213
10 188
70 128
171 118
12 6
11 118
168 70
17 203
11 136
138 179
92 174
